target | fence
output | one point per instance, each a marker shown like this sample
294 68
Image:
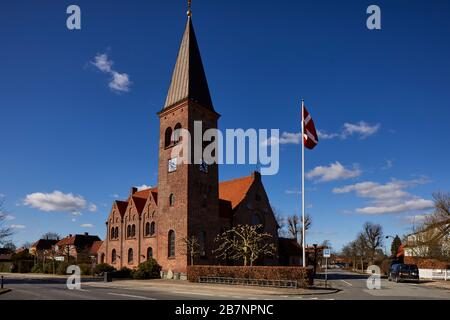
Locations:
434 274
250 282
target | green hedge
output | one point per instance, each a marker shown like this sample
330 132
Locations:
303 276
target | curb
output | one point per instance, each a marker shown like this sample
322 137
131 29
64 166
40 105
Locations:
4 291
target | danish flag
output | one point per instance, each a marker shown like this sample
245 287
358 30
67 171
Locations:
310 137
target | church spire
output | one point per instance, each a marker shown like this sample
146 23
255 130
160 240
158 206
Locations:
189 79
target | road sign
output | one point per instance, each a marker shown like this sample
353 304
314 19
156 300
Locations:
327 253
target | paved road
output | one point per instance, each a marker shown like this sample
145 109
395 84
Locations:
353 287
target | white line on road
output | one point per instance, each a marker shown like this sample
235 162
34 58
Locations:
195 293
348 283
130 296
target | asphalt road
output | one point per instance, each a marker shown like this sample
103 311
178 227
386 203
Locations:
352 286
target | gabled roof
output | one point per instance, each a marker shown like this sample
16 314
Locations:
235 190
95 247
140 203
79 240
44 244
122 206
189 79
231 194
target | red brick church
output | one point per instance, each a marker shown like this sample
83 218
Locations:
189 200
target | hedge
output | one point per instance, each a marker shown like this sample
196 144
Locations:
423 263
303 276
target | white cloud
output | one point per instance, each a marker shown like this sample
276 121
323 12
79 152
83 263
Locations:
87 225
102 62
92 207
56 201
418 218
74 220
120 82
335 171
114 195
388 198
388 165
293 191
18 226
325 136
363 129
143 187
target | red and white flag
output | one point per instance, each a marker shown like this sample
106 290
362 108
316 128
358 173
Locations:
310 137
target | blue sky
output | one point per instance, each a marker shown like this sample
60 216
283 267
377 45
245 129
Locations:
379 98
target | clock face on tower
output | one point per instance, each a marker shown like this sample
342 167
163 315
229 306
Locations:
173 165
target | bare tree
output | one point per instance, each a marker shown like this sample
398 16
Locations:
372 235
5 232
361 249
281 221
294 226
27 245
246 243
192 248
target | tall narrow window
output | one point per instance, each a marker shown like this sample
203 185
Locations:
112 233
153 228
102 258
113 256
149 253
133 231
117 233
171 200
129 231
168 137
147 229
171 244
201 243
130 256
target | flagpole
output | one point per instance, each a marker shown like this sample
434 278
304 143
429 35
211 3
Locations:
303 182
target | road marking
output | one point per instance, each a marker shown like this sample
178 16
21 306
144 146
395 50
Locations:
130 296
195 293
348 283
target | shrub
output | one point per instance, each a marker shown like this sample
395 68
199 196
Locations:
102 268
149 269
85 268
303 276
37 268
123 273
62 268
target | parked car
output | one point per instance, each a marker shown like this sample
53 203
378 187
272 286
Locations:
403 272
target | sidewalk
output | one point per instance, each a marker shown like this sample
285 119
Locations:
441 284
186 285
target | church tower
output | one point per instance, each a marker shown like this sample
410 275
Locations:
188 196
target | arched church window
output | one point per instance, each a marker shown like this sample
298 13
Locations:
171 244
130 256
168 137
171 200
113 256
149 253
177 133
147 229
153 228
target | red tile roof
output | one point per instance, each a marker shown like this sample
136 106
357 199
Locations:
235 190
95 247
78 240
231 194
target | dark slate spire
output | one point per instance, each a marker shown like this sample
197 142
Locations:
189 79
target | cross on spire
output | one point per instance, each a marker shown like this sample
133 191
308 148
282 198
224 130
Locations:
189 12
